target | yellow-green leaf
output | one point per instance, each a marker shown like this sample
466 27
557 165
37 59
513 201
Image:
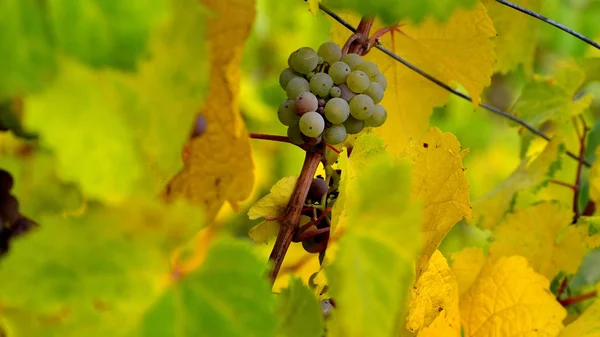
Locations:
594 179
219 167
440 181
299 313
434 292
533 173
509 299
543 234
372 270
457 51
273 204
264 231
466 266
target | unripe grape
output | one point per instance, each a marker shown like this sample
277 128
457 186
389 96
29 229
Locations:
287 113
334 134
368 68
311 140
305 60
335 92
339 71
361 106
330 51
358 81
353 60
320 84
353 125
294 134
312 124
306 102
378 117
296 86
381 80
375 91
337 110
286 75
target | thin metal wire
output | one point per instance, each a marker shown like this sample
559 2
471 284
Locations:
490 108
550 22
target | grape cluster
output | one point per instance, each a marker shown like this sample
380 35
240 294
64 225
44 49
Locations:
12 223
330 95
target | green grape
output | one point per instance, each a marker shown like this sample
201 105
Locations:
306 102
353 125
335 92
334 134
361 106
287 113
353 60
381 80
330 52
369 68
294 134
289 60
296 86
358 81
286 75
375 91
378 117
337 110
312 124
321 60
346 93
305 60
339 71
310 75
320 84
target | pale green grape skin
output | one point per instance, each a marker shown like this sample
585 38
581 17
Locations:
306 102
305 60
353 60
287 113
295 135
346 94
334 134
381 80
361 106
312 124
321 60
330 52
320 84
368 68
353 125
335 92
289 60
378 117
339 71
310 75
286 76
296 86
337 110
375 91
358 81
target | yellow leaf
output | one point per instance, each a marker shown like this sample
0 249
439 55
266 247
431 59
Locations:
447 323
586 325
510 299
466 267
313 6
440 181
274 204
534 172
595 180
591 224
264 231
543 234
456 51
515 34
433 293
219 167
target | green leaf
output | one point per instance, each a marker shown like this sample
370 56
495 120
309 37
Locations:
96 272
228 296
553 98
373 268
299 313
27 52
105 32
118 134
392 11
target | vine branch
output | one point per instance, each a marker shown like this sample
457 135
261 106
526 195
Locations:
550 22
490 108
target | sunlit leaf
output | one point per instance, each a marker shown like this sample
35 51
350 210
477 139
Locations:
466 266
299 313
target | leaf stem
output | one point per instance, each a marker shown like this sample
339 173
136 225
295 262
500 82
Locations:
576 299
490 108
562 183
550 22
580 162
562 287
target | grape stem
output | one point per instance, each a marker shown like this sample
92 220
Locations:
291 217
576 299
581 135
